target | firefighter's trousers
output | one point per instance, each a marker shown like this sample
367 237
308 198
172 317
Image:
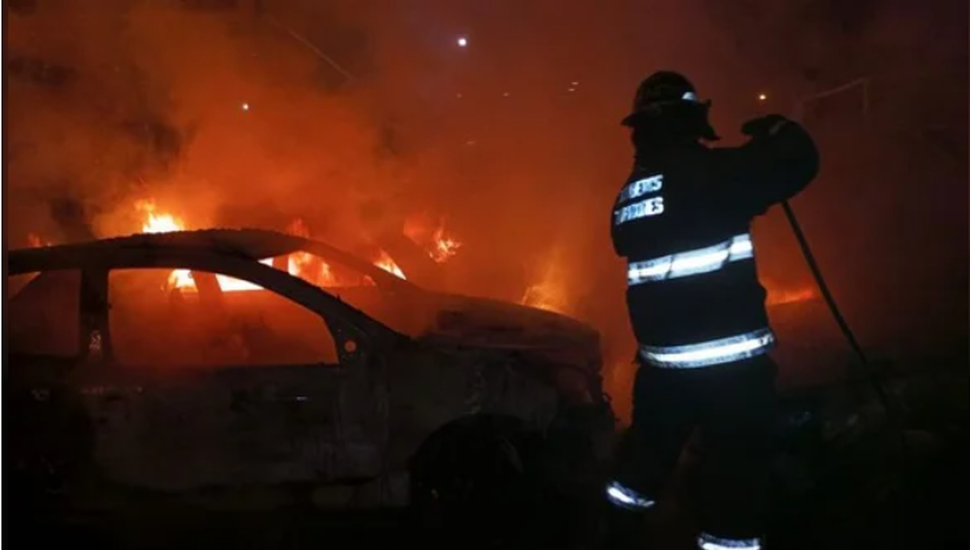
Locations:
730 408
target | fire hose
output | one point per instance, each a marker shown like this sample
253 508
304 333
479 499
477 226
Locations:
893 418
863 361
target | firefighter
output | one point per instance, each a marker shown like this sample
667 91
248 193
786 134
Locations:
682 220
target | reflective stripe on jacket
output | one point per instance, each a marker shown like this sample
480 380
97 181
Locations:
682 220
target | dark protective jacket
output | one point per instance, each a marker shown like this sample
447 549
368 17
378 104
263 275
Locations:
682 220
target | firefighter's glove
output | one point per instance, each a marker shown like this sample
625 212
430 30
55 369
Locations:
765 126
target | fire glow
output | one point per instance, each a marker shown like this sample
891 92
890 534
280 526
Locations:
35 241
387 264
158 223
438 243
780 297
550 292
443 246
299 264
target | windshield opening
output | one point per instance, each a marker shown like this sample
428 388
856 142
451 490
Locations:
397 306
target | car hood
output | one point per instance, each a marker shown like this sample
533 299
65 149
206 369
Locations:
484 323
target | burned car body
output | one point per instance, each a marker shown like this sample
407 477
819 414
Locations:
220 360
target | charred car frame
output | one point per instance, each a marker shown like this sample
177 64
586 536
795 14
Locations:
386 416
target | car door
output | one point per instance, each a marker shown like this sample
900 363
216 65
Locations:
49 427
230 384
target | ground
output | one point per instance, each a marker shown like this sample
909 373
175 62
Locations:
846 488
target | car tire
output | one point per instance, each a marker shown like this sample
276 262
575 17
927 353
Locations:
477 479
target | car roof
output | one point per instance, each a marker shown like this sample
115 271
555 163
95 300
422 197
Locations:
254 244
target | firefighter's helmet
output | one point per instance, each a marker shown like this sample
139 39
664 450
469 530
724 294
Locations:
666 91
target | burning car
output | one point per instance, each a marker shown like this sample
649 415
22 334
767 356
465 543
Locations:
215 361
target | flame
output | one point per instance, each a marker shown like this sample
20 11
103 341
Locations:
551 289
181 279
165 223
299 264
158 223
35 241
439 245
550 292
443 246
546 296
387 264
298 228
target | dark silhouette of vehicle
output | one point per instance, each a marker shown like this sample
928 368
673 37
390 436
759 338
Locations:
219 363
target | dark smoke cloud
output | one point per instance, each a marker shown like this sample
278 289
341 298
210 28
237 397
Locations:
365 107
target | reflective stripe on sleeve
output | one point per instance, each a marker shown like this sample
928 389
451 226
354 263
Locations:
706 541
626 498
692 262
713 352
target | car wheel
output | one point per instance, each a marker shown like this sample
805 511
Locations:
476 478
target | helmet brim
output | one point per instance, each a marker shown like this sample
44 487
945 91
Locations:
632 120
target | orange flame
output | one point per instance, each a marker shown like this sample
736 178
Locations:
545 296
165 223
439 245
387 264
34 241
443 247
551 284
299 264
550 292
298 228
158 223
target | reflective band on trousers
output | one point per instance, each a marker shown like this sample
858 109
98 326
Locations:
626 498
692 262
712 352
706 541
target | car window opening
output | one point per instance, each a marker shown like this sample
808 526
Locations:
155 322
47 308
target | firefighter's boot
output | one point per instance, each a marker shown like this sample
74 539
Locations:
619 529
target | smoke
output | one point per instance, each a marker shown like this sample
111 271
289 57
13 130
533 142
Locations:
220 116
355 115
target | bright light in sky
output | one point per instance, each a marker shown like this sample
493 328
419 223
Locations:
762 97
245 106
462 41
